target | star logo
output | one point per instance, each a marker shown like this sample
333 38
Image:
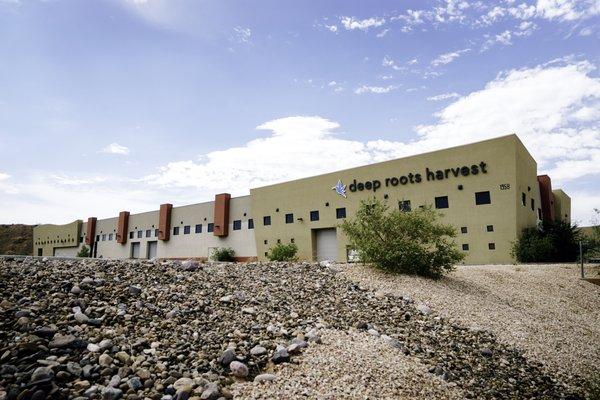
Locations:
340 188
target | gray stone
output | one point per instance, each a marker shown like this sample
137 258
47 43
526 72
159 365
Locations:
210 392
76 290
183 384
238 369
74 369
486 352
42 374
281 356
111 393
105 344
258 351
115 381
93 348
227 357
81 317
61 342
135 383
135 290
265 378
423 309
105 360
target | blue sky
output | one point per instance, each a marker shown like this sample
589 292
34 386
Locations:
126 104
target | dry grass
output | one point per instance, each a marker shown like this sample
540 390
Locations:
546 310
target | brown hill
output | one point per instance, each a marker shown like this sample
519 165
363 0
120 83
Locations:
16 239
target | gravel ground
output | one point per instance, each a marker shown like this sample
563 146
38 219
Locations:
359 366
544 309
174 330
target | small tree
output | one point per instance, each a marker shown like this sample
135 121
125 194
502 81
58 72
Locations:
556 241
414 242
223 254
84 252
283 252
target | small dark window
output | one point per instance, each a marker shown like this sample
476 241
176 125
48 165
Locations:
523 199
482 198
139 234
289 218
186 230
130 235
148 232
97 238
237 224
492 246
465 247
340 212
404 205
441 202
490 228
278 240
80 239
314 215
266 241
198 228
532 205
292 240
463 229
539 213
103 237
266 253
250 223
267 220
110 236
176 230
156 233
210 227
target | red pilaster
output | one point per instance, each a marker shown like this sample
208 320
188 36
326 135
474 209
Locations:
164 222
122 227
221 216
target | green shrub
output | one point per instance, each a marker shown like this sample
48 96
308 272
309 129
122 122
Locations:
283 252
84 252
223 254
556 241
414 242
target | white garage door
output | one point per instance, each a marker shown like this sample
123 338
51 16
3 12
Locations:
135 250
326 244
66 251
152 250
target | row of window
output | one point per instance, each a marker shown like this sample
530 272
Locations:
491 246
489 228
340 213
481 198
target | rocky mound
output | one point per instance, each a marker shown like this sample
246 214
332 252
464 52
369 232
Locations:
16 239
110 329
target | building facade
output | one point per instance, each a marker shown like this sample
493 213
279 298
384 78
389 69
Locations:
488 190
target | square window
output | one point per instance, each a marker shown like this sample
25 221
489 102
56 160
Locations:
148 232
292 240
267 220
80 239
404 205
289 218
103 237
176 230
532 205
110 236
314 215
130 235
490 228
237 224
266 253
97 238
463 229
266 241
186 230
465 247
441 202
198 228
139 234
278 240
156 232
492 246
250 223
482 198
340 212
210 227
523 199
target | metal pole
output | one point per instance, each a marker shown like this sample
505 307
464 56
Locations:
581 258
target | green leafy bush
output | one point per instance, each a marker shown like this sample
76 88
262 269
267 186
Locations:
223 254
283 252
414 242
553 242
84 252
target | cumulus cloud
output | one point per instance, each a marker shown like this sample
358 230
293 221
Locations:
444 96
115 148
4 176
375 89
447 58
351 23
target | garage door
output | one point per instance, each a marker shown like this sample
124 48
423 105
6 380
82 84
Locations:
152 250
326 244
135 250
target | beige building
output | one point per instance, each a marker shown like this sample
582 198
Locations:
488 190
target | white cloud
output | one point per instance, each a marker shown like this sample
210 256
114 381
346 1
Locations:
241 35
447 58
4 176
332 28
382 33
444 96
115 148
351 23
388 62
375 89
587 31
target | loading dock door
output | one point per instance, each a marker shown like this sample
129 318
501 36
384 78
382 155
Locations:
135 250
326 241
152 250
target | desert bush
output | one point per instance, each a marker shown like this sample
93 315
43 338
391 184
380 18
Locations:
223 254
283 252
84 252
556 241
414 242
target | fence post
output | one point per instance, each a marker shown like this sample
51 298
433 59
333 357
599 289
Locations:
581 258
